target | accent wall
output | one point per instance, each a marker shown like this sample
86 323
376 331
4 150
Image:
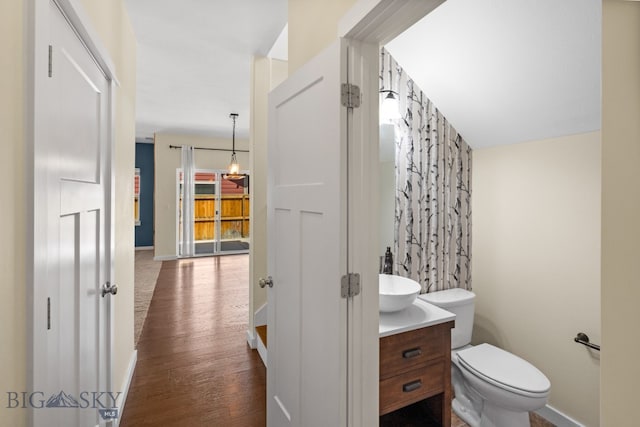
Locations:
145 162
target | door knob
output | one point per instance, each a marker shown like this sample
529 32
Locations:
266 282
108 288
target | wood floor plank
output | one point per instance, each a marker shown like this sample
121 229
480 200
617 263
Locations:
194 365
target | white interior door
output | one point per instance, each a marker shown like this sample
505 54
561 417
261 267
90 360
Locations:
306 241
74 155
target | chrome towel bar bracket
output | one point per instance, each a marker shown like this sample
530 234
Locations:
583 339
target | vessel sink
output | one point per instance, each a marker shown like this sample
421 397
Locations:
397 292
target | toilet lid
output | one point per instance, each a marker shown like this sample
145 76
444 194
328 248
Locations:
503 368
449 297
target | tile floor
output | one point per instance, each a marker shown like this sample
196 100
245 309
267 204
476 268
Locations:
535 419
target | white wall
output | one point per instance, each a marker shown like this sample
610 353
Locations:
536 261
620 212
167 160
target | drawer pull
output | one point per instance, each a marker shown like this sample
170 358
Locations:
414 352
413 385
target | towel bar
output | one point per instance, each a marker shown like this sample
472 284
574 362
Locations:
583 339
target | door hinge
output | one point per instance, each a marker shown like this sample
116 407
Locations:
50 60
350 95
350 285
48 313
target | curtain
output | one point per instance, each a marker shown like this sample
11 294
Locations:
432 224
187 196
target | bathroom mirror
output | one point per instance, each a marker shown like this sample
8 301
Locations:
387 186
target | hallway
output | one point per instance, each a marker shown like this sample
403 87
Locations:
194 365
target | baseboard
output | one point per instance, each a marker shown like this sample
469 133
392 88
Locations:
144 248
165 258
125 387
557 418
251 338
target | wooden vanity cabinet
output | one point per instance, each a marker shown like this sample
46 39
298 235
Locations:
414 366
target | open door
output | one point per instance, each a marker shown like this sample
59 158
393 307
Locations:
307 246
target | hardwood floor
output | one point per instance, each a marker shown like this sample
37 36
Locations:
194 365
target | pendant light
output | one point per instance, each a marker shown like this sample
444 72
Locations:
234 166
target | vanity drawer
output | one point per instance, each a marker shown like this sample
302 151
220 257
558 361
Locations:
409 350
410 387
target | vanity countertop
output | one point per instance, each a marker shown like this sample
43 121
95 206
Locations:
419 315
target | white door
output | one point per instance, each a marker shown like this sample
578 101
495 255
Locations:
306 243
74 155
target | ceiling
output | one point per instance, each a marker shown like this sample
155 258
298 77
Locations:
501 71
508 71
194 62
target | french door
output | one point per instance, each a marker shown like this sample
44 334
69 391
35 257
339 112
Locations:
221 213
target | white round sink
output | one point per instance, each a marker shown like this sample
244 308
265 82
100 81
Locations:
397 292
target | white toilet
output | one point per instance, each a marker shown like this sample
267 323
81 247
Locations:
493 388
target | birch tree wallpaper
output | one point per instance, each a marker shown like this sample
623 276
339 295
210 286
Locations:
432 221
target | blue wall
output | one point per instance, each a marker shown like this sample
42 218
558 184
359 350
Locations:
145 161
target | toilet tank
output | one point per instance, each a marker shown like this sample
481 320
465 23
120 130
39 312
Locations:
461 303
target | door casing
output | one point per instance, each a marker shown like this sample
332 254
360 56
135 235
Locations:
367 26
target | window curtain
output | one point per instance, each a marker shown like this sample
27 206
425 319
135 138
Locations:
432 225
187 195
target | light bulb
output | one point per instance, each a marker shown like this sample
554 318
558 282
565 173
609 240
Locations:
234 167
390 109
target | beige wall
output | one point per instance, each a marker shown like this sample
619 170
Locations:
620 212
266 74
112 26
112 23
536 261
167 160
12 226
313 25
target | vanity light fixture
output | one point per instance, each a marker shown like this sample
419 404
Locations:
390 107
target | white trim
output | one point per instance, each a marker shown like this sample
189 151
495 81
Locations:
81 24
557 418
251 338
144 248
165 258
178 172
133 360
380 21
259 319
363 363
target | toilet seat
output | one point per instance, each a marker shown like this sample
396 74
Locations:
504 370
